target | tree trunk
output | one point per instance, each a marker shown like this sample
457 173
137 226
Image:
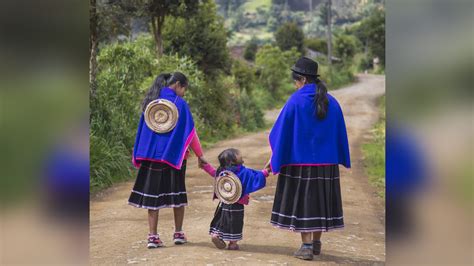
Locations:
329 32
157 25
93 47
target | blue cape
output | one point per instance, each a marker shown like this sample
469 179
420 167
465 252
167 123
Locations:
168 147
252 180
300 138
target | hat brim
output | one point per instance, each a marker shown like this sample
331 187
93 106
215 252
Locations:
299 71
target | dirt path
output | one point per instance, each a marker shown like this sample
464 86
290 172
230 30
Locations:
117 231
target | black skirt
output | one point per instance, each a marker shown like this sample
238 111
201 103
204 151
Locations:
158 185
308 199
228 222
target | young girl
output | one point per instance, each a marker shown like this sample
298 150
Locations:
228 219
161 158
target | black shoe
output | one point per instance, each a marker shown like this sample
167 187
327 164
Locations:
316 247
304 253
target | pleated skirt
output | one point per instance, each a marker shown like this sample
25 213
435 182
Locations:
228 222
308 199
158 185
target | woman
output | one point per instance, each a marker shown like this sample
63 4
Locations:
161 159
308 142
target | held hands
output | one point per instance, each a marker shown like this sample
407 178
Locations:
267 167
204 165
202 162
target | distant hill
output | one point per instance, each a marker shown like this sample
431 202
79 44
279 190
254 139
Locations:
260 18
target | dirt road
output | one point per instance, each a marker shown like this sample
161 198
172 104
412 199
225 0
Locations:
118 231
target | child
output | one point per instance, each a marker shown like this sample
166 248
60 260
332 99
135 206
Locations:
228 219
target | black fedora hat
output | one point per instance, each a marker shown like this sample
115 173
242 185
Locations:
305 66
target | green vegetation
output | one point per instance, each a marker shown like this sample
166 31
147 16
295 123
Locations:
227 96
254 5
374 153
251 49
274 65
317 44
289 35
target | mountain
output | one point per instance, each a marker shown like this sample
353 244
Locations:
260 18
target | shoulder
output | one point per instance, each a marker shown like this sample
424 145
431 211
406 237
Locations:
334 107
333 103
182 102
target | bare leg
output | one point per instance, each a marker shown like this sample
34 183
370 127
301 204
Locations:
317 236
153 221
306 238
178 218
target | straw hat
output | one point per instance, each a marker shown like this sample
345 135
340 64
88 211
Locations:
161 115
228 187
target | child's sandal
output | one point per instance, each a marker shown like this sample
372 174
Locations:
219 243
233 247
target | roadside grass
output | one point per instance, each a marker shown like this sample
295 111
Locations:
374 153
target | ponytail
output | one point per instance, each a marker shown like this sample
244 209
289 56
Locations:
321 99
155 89
163 80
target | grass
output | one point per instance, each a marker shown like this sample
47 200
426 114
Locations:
252 5
242 37
374 153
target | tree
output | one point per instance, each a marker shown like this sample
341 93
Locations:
329 32
371 32
345 47
290 35
159 9
116 15
201 36
92 46
113 19
251 49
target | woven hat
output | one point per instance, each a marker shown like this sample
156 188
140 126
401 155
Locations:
305 66
228 187
161 115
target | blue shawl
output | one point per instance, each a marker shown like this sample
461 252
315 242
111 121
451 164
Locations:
169 147
300 138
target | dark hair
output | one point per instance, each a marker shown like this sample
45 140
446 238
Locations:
227 158
163 80
321 99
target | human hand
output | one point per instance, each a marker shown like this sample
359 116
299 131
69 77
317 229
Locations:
268 167
202 162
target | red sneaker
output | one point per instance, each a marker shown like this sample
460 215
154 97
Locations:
154 241
179 238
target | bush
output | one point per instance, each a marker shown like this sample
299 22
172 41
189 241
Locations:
317 44
244 75
289 35
250 114
339 76
251 49
345 47
201 36
274 67
109 162
115 109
